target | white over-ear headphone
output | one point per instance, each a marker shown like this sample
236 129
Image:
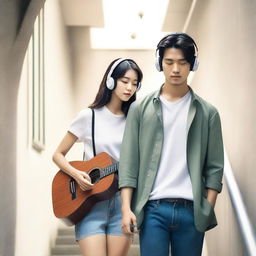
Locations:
110 82
157 61
196 64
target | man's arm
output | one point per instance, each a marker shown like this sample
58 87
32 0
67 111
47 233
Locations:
214 165
129 167
128 216
129 155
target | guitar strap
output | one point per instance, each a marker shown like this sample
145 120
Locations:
93 138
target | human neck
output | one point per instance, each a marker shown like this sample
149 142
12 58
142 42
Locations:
174 92
115 105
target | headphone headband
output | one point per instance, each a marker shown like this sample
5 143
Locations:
115 64
177 34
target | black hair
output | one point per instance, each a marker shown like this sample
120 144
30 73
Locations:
104 94
180 41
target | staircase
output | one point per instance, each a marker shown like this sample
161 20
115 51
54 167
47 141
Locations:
66 245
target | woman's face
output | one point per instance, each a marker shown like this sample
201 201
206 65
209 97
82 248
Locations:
126 85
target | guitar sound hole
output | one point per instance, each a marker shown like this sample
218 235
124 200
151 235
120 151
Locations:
95 175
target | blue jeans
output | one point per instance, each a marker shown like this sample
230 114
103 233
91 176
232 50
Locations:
170 224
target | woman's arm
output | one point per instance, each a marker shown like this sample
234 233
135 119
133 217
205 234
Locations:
59 159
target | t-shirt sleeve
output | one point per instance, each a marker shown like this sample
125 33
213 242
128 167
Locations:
81 124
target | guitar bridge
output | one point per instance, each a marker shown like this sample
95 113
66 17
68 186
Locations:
72 189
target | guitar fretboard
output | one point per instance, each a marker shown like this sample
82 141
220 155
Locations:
109 170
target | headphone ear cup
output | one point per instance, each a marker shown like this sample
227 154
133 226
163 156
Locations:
110 83
157 61
196 64
139 86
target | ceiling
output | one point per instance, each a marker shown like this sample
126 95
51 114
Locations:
97 15
83 12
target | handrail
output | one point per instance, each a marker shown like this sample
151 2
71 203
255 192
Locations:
245 225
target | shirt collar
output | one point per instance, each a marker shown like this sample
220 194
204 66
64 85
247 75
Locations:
157 93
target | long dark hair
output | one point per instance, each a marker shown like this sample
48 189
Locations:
104 94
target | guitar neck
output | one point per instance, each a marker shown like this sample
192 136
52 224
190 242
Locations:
109 170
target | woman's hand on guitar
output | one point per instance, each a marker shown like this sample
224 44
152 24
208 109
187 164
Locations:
83 180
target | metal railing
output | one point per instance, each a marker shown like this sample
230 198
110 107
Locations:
243 219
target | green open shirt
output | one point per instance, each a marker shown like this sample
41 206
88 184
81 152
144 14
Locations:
141 153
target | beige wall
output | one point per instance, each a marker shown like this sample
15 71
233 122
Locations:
36 224
16 22
91 64
225 33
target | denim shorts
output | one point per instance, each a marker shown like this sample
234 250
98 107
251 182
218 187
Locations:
104 218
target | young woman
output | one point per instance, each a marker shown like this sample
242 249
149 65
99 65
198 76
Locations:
99 232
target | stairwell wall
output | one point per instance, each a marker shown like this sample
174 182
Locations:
225 33
36 224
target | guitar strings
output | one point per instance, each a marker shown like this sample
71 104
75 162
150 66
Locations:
107 170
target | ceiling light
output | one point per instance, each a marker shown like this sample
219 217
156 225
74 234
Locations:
129 24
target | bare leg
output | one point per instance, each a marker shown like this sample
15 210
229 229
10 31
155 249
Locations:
118 245
93 245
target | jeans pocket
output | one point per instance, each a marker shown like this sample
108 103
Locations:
151 206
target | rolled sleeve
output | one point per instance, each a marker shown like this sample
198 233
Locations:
129 155
212 184
214 165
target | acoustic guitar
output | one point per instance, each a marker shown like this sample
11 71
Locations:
70 203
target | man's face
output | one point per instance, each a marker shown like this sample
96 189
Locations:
175 67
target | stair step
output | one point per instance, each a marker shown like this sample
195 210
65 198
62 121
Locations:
65 249
68 240
66 232
70 234
67 246
74 250
71 240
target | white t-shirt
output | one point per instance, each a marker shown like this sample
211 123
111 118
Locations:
108 131
173 180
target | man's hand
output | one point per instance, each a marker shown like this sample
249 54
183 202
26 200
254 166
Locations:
128 222
128 217
212 196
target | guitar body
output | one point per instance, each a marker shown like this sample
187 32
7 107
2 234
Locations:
70 203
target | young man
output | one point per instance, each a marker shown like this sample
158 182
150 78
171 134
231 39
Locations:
171 162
